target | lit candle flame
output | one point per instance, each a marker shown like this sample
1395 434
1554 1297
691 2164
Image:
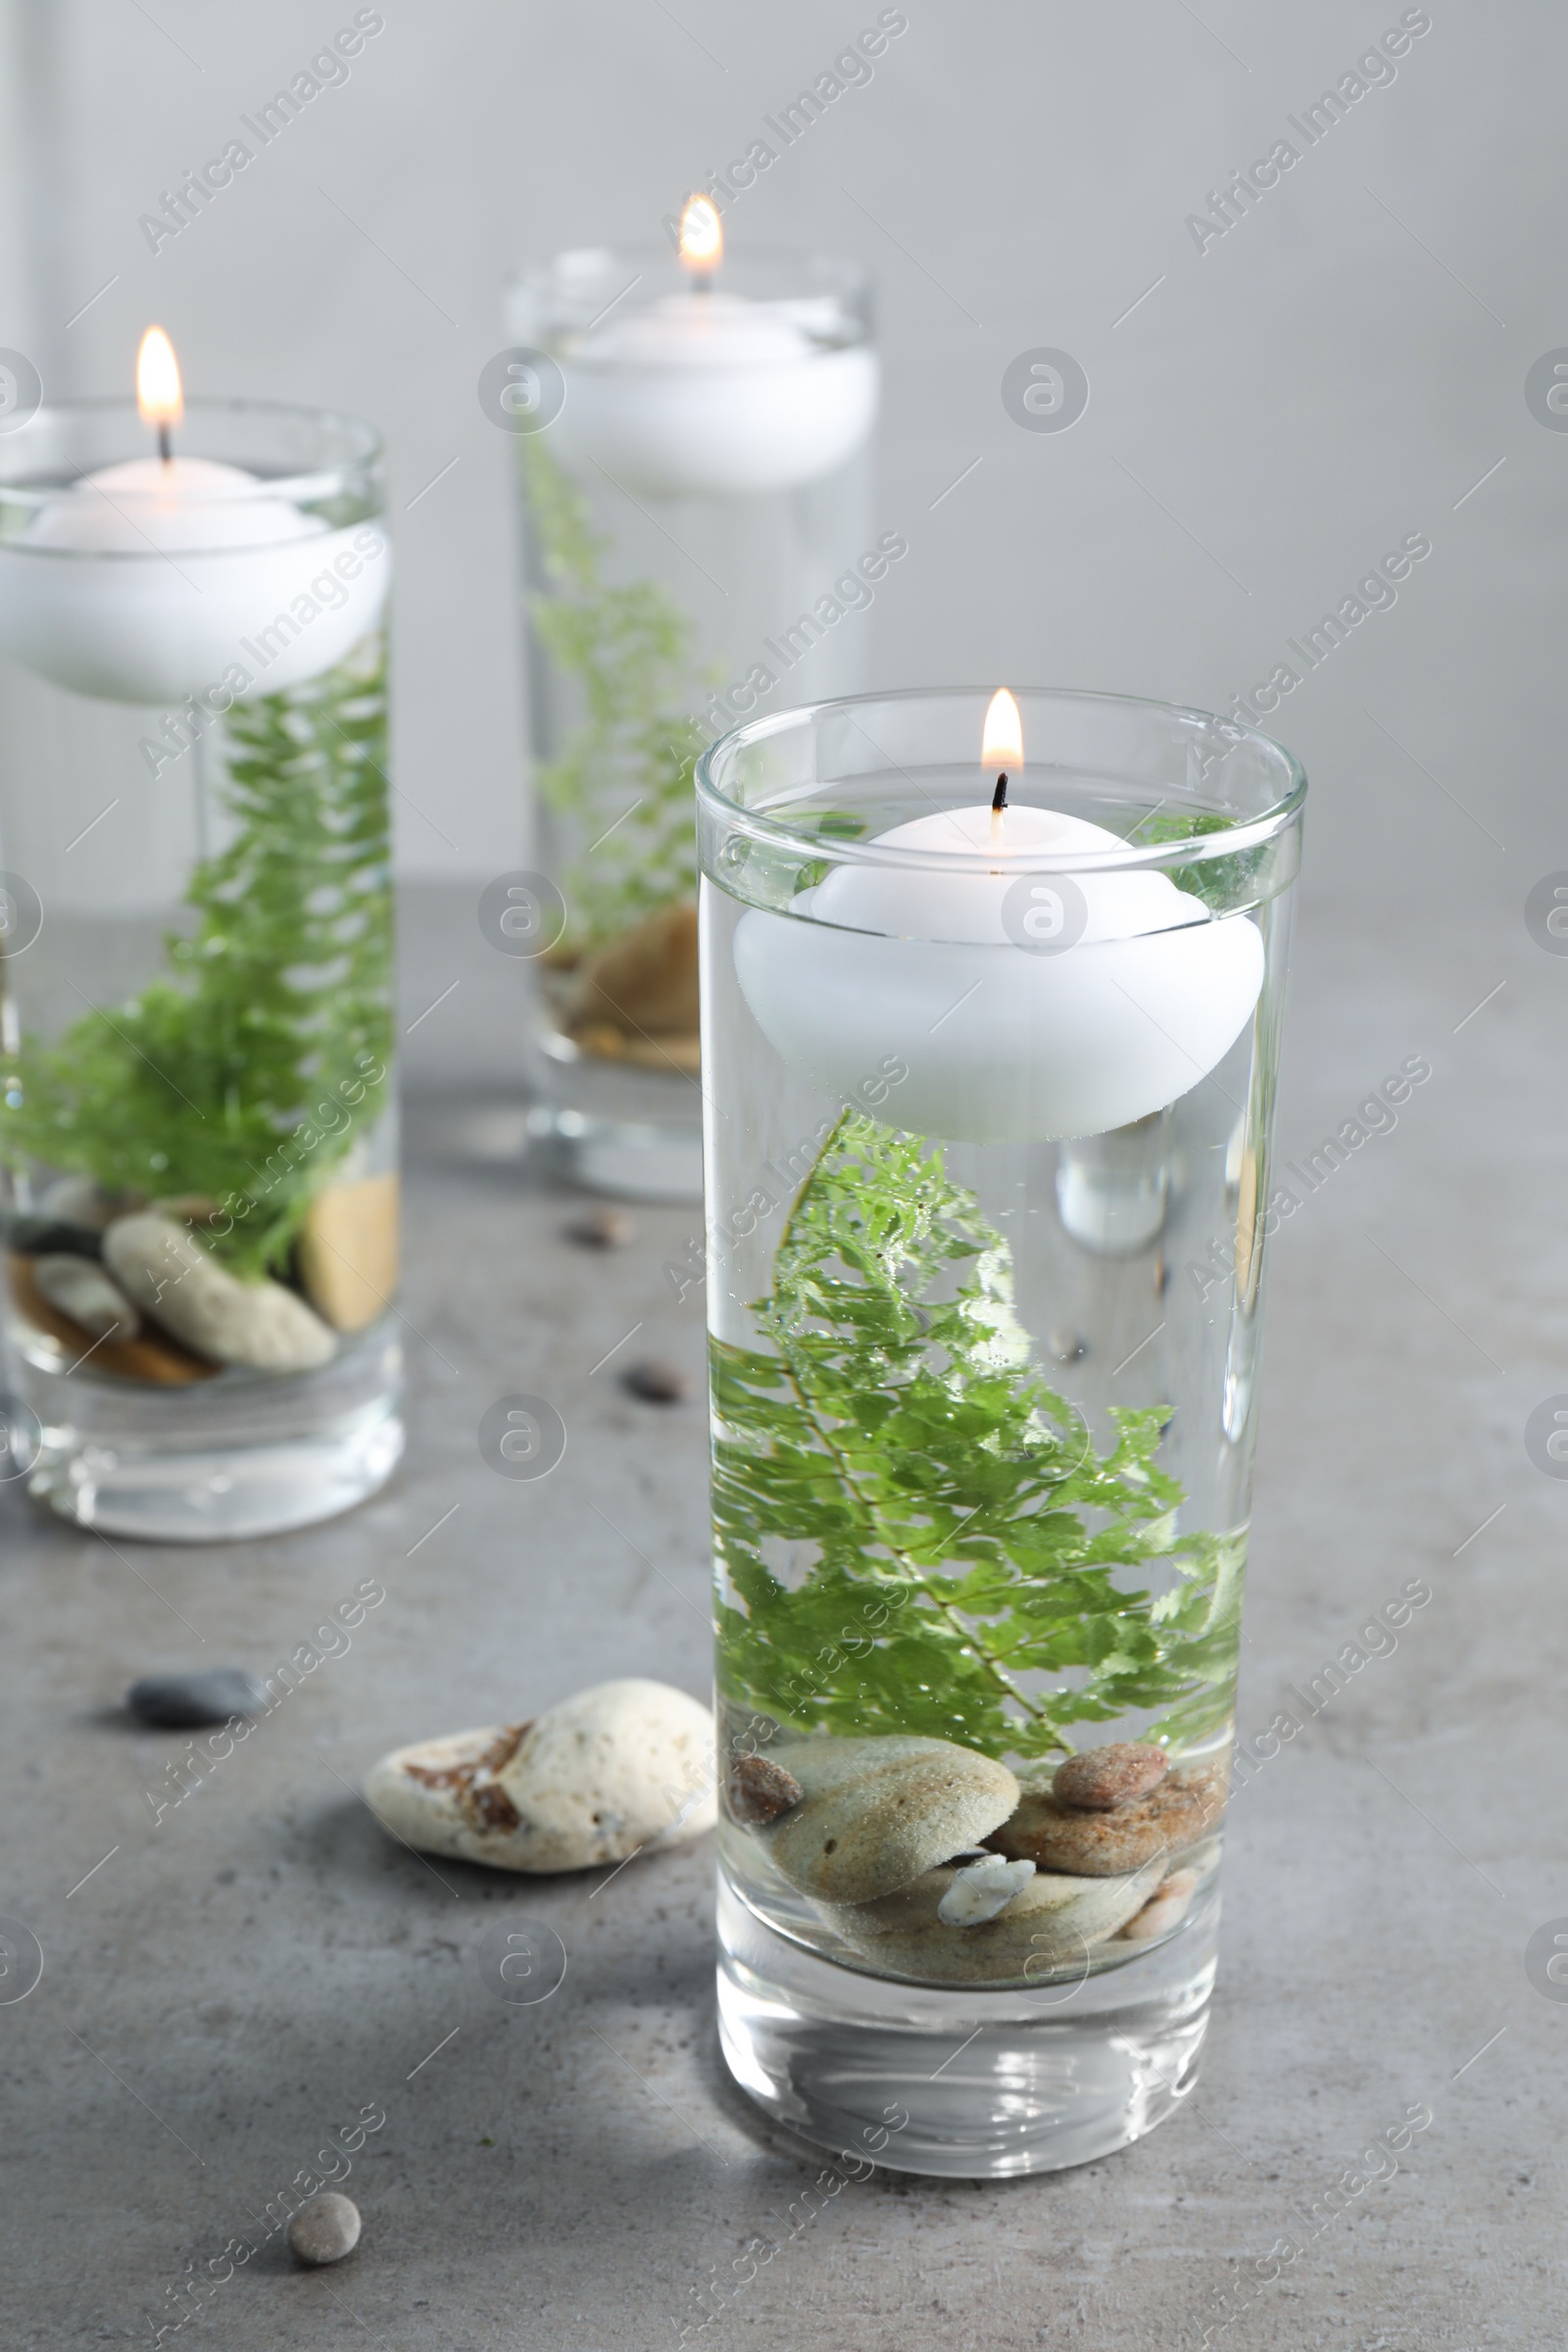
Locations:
1002 743
157 392
1002 751
702 237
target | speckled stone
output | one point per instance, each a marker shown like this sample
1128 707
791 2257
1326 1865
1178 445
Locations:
760 1790
1053 1837
325 2230
878 1812
1099 1779
624 1768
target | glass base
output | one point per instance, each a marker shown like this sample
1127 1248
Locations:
234 1457
991 2084
628 1159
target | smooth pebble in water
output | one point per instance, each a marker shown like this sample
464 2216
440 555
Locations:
876 1813
1178 1810
325 2230
980 1889
80 1288
1166 1908
171 1276
1099 1779
1051 1923
760 1790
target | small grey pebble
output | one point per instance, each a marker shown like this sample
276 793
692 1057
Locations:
1067 1348
178 1702
325 2230
657 1379
604 1229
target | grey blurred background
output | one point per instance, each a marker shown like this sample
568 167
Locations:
1268 416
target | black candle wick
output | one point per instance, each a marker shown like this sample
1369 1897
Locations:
999 799
165 445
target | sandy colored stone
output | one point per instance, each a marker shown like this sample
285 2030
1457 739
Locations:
878 1812
626 1767
325 2230
675 1050
1165 1909
347 1251
645 982
1053 1837
606 1043
167 1274
1099 1779
1051 1922
80 1288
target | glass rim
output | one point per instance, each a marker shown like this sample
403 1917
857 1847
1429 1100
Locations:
553 271
1245 834
364 449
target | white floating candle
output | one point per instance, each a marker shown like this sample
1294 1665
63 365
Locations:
144 581
1024 1006
711 392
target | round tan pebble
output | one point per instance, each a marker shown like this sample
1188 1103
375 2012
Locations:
347 1251
325 2230
1101 1778
644 982
1102 1845
1165 1909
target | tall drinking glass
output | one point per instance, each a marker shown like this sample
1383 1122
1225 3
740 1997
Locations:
694 465
991 1050
197 1132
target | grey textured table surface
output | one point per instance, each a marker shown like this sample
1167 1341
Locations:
229 1985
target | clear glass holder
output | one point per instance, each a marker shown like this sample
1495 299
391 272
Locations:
198 1131
992 2083
990 1041
694 477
